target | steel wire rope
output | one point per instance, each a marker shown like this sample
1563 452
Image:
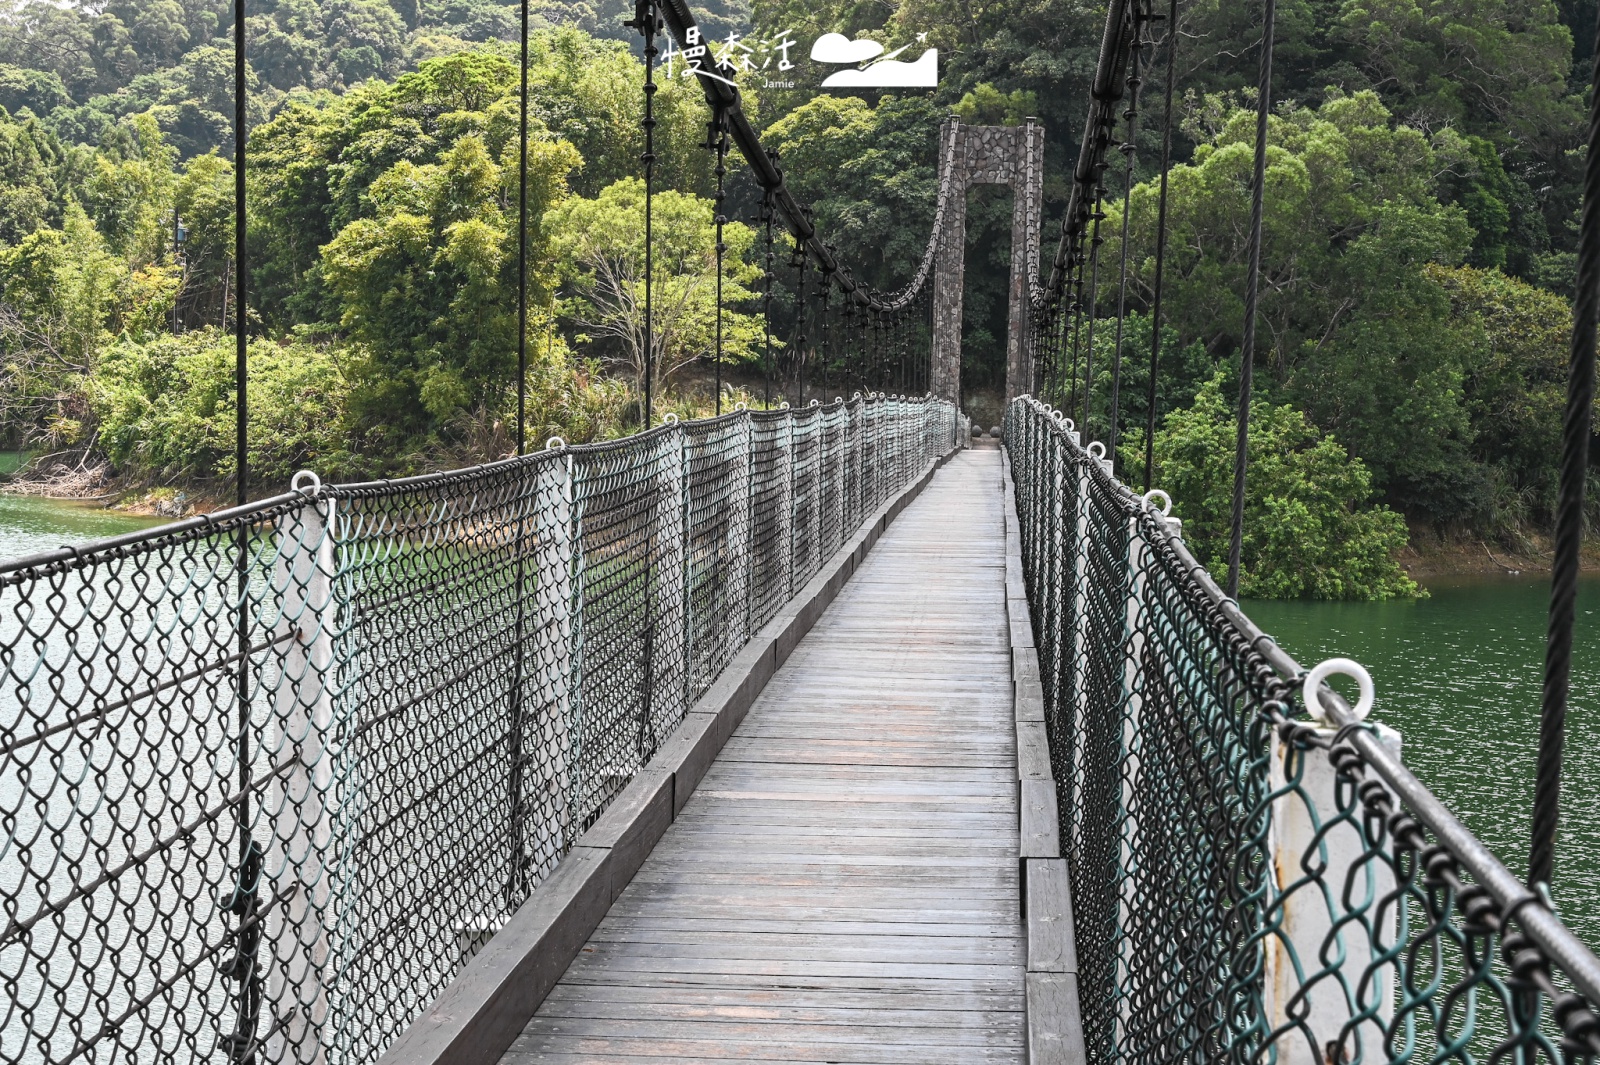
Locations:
1161 246
1252 290
1093 307
798 357
717 141
516 883
243 902
1564 568
647 21
766 302
1129 150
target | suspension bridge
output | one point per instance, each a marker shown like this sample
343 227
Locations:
839 732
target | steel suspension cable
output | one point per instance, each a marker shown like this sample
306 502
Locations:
647 21
241 1043
1077 334
717 140
522 246
766 303
798 358
1129 151
1252 290
1564 568
516 877
1095 241
1161 248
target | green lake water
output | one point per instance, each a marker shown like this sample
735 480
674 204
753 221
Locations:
29 525
1458 674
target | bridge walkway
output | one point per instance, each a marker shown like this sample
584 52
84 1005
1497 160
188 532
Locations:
842 886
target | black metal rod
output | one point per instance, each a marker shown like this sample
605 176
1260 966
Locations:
522 246
241 1043
719 143
1252 290
1161 248
1095 240
516 875
1129 150
647 21
1575 431
766 316
799 357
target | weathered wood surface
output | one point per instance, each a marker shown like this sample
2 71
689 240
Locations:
842 887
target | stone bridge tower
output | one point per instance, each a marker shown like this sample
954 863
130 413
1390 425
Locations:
987 155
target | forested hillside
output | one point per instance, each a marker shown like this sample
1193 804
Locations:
1421 206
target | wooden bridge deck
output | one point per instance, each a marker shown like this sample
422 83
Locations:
842 887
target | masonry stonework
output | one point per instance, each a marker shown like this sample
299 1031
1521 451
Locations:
987 155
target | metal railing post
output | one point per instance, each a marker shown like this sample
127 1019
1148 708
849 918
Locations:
672 640
301 802
1314 977
787 509
739 533
554 636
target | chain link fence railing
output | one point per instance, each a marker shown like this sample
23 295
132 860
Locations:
268 778
1252 882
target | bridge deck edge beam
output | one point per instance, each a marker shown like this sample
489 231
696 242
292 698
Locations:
1054 1021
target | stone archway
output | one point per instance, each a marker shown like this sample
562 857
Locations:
987 155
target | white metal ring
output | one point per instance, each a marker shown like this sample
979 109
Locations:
784 405
1101 454
741 405
1348 667
1166 500
815 403
315 482
669 418
555 443
1058 417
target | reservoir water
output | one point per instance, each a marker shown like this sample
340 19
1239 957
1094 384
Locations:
1458 674
29 524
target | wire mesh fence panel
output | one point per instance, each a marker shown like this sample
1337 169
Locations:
770 465
268 779
717 470
136 681
1253 882
804 488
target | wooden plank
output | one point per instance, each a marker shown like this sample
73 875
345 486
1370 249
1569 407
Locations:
1055 1027
1051 946
843 883
1041 827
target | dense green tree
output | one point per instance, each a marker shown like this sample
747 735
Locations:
165 408
39 91
1353 326
427 285
35 176
600 247
1310 530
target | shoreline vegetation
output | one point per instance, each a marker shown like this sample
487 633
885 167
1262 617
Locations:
1427 557
1420 243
